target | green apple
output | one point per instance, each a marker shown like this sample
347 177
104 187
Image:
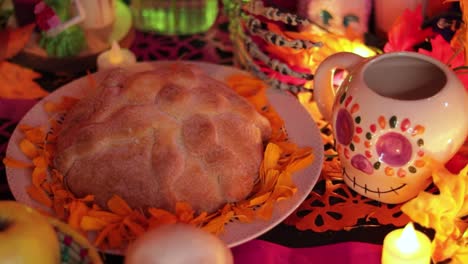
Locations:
26 236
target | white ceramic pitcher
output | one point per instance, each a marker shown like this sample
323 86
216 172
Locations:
392 117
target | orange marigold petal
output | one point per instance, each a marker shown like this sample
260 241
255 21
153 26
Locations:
40 161
271 156
115 238
259 199
118 205
135 228
89 223
35 134
266 210
39 176
160 217
300 164
107 217
102 236
77 211
39 195
184 212
216 225
12 163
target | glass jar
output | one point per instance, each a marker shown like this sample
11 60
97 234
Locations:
174 17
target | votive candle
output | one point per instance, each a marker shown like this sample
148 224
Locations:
406 246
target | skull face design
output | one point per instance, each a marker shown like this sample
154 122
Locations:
337 16
383 158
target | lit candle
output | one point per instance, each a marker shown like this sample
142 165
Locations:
115 57
406 246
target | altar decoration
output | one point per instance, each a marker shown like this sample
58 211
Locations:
61 35
406 245
446 212
16 81
341 17
119 223
270 42
115 57
333 206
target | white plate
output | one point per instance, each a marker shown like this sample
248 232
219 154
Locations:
300 127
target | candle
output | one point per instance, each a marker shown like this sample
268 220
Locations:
406 246
115 57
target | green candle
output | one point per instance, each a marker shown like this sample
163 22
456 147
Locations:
174 17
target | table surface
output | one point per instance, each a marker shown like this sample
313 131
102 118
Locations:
331 214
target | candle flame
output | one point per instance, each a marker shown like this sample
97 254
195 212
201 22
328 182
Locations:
408 241
115 54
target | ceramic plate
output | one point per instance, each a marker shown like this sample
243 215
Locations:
300 127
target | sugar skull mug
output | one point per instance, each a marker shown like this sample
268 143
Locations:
392 116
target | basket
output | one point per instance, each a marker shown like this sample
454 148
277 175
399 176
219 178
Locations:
286 57
74 247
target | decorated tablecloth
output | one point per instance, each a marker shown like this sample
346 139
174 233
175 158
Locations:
333 225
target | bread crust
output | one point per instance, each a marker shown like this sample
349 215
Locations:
162 136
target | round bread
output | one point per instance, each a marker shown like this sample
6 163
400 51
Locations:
161 136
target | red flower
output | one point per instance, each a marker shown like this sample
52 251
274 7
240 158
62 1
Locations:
443 51
406 32
46 18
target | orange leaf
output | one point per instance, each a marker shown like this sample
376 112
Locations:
59 208
89 223
115 238
160 217
199 219
136 229
14 40
184 212
17 82
271 156
216 225
36 135
77 211
244 214
65 104
40 161
105 216
39 195
259 199
87 198
12 163
300 164
266 210
101 237
117 205
39 175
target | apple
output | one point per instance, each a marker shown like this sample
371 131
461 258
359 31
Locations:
26 236
178 244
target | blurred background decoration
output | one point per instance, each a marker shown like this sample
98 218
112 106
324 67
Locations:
282 42
174 17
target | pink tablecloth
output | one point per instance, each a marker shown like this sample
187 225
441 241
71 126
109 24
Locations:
258 251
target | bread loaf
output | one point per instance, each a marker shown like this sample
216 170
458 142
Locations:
161 136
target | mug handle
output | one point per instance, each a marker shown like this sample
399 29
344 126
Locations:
324 92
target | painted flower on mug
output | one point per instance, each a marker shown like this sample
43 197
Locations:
389 144
347 126
396 146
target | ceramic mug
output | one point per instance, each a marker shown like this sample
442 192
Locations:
392 116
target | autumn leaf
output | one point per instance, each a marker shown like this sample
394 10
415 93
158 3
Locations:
13 40
406 32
